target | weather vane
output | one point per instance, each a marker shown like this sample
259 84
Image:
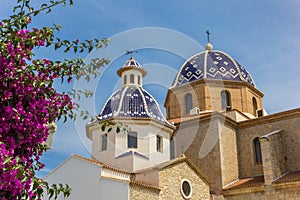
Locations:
130 52
208 33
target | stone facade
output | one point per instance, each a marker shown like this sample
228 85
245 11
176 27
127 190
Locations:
284 194
221 143
206 95
140 192
288 122
223 149
170 182
210 142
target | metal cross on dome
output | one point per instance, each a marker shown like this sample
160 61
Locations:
208 33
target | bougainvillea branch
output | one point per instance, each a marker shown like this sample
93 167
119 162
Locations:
29 102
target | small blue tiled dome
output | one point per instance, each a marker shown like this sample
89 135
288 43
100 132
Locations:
131 64
212 64
132 102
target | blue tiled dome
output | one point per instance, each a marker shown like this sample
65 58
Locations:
132 102
212 64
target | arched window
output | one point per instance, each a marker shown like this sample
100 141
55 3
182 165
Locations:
139 80
125 79
188 102
254 106
257 150
225 100
131 78
159 143
132 140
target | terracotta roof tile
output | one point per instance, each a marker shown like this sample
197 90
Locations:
256 181
144 185
174 161
100 163
289 177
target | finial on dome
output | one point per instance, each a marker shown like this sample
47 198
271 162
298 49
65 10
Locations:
130 52
208 46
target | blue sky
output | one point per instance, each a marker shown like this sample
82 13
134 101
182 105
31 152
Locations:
262 35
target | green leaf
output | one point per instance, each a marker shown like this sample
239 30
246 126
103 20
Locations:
75 49
103 127
20 173
6 160
36 12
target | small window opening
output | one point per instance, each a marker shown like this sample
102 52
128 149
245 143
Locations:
257 150
188 102
125 79
104 142
131 78
159 143
132 140
254 107
225 100
139 80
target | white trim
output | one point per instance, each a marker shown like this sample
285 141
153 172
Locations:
119 90
205 64
181 68
144 100
121 99
182 193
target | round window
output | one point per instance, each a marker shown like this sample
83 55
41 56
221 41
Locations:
186 189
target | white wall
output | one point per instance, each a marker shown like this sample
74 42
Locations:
84 179
136 73
117 145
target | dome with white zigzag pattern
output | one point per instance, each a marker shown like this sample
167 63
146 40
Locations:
211 64
132 101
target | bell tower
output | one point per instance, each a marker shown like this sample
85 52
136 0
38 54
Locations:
146 142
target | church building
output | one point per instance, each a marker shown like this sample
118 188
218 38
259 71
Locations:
217 142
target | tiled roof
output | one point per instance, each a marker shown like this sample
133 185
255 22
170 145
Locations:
99 163
132 102
256 181
169 163
289 177
144 185
118 170
212 64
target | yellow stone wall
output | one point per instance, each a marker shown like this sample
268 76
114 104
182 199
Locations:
228 153
290 126
189 139
282 194
170 183
138 192
207 96
211 145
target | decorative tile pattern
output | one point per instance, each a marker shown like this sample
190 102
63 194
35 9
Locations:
212 65
131 63
131 102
